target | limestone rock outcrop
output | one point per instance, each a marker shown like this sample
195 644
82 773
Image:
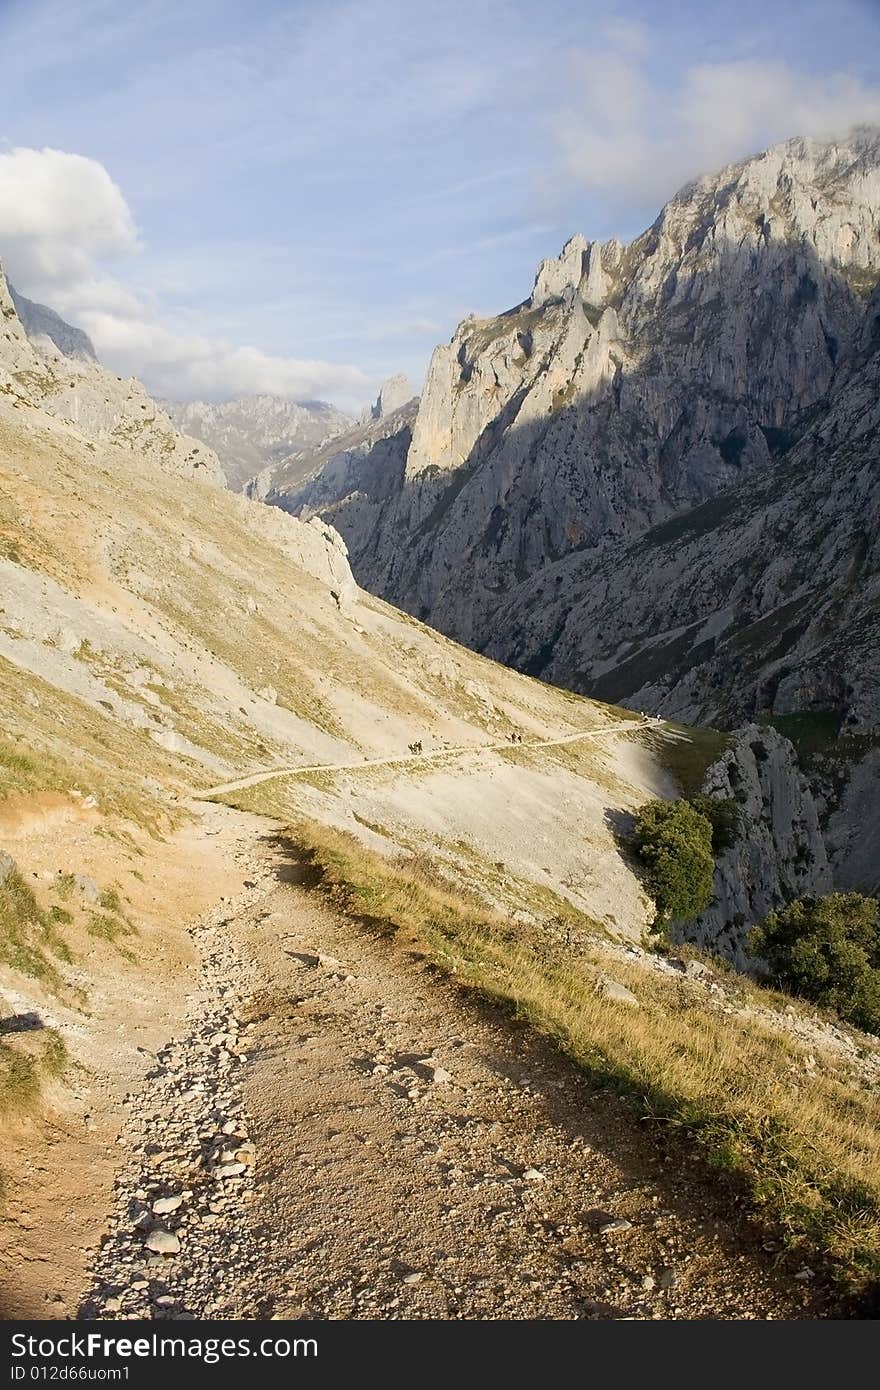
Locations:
352 476
779 853
394 393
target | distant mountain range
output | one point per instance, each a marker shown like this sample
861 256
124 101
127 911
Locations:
251 433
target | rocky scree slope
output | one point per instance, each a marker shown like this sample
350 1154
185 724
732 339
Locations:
251 433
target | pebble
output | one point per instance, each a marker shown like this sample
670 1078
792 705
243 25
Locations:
620 1224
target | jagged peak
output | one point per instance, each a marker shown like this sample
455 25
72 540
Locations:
394 392
559 273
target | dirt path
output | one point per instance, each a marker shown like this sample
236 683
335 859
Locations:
255 778
349 1136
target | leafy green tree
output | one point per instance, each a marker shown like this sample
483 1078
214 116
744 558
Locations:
674 842
827 949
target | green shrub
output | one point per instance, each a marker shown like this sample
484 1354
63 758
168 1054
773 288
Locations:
827 949
674 843
722 813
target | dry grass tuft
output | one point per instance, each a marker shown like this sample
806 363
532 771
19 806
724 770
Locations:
26 1061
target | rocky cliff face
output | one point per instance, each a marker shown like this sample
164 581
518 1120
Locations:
762 603
252 433
779 853
75 388
764 600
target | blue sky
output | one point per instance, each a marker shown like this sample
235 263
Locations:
306 196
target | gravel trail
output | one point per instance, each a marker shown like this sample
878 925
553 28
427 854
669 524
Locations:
349 1136
429 756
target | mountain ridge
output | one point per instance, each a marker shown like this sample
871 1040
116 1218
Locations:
633 383
41 322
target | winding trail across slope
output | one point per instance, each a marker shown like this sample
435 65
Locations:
340 1132
254 778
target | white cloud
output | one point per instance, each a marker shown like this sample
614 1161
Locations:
182 366
632 139
61 219
58 213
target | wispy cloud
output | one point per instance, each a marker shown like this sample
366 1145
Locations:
625 135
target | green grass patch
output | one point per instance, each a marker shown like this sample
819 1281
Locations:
52 741
819 734
696 522
109 927
686 753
